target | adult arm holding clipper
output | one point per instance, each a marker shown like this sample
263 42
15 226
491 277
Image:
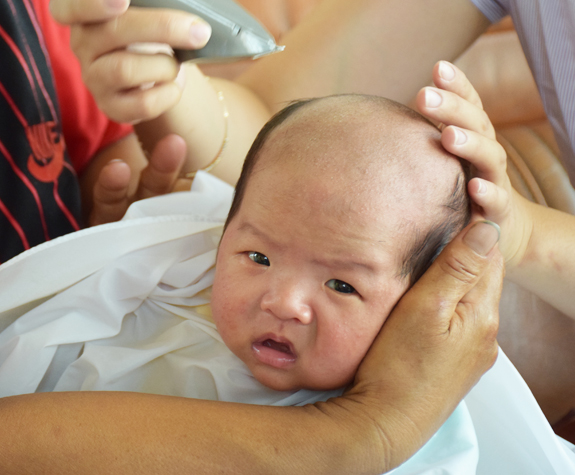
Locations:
139 85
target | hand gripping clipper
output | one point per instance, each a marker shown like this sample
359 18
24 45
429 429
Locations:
235 33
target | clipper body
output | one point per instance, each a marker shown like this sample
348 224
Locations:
235 33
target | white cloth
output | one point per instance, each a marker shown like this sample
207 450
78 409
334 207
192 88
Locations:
125 313
546 29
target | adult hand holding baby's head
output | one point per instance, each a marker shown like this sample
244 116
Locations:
469 134
129 86
437 342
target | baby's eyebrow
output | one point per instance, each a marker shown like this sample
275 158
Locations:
346 264
245 226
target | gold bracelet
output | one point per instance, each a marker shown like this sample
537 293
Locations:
218 156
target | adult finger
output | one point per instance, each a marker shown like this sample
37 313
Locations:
137 104
485 154
440 313
86 11
139 25
123 70
164 167
449 77
478 309
493 200
451 109
458 269
129 87
111 193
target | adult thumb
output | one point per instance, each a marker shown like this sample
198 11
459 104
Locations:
460 265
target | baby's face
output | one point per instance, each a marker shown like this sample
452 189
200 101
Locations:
310 266
305 278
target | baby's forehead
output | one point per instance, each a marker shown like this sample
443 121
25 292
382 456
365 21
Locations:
355 156
361 141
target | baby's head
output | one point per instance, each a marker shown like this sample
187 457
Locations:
342 204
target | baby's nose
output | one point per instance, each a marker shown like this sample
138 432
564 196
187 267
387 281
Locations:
288 302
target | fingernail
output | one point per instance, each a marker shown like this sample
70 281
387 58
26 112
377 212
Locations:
460 136
432 98
482 237
446 71
147 85
200 33
117 6
481 188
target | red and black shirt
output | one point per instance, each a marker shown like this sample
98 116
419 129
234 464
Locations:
43 100
39 193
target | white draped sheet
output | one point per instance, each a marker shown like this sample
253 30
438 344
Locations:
121 307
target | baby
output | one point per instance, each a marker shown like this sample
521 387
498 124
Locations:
342 204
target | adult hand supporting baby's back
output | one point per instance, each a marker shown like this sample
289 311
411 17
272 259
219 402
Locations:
436 344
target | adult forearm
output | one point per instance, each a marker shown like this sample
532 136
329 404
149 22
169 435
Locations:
384 47
498 70
134 433
548 264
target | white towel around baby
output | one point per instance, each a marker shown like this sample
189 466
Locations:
120 307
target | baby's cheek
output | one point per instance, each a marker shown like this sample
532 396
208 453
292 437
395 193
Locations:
229 306
351 342
357 337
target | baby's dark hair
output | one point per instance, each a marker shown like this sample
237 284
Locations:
426 244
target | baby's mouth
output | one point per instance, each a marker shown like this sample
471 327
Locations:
274 351
278 346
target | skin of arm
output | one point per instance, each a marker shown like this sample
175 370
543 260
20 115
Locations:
497 68
344 46
412 378
278 17
547 266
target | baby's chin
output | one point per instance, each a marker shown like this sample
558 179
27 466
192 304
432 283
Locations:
288 383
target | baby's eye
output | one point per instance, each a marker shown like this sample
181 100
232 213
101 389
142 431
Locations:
340 286
259 258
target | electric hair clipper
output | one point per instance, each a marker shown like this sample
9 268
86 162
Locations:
235 33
